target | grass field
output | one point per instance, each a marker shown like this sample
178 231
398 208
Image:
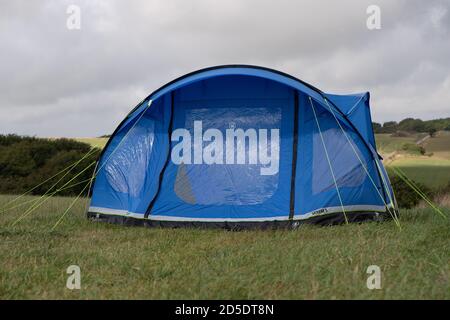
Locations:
432 170
439 145
387 144
311 262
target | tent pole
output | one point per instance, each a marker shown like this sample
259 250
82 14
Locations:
294 157
161 174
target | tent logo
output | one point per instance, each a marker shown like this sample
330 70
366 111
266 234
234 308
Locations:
238 146
320 211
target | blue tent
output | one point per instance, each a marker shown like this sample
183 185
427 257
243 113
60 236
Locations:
237 146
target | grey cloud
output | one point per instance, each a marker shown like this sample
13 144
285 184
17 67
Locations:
57 82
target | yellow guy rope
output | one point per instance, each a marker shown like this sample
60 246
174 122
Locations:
394 216
329 162
71 166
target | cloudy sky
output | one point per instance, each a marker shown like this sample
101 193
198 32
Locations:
81 83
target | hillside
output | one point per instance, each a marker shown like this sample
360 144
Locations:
431 168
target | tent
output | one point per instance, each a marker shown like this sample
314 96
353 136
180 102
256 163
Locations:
241 146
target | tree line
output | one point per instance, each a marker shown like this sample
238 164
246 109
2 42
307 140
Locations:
414 125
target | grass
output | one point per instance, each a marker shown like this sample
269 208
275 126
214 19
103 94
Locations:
311 262
433 172
439 145
387 144
308 263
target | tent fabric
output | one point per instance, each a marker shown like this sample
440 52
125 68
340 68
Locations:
357 109
241 144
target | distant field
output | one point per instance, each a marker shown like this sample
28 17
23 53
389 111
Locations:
387 144
95 142
311 262
439 145
432 172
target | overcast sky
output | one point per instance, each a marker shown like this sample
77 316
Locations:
81 83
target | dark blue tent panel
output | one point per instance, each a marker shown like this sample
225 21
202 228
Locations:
242 144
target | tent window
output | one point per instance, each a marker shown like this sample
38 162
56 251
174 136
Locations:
347 168
127 168
209 176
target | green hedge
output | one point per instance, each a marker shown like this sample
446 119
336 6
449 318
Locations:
28 161
406 197
413 125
